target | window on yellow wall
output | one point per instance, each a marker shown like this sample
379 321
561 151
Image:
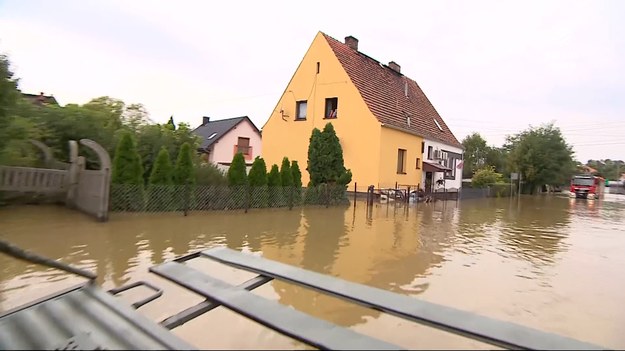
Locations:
418 163
401 161
301 109
332 105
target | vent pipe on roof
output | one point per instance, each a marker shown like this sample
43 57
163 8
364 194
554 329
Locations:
351 42
394 66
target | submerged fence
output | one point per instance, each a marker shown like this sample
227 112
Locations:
493 190
167 198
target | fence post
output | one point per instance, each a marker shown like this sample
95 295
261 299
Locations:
290 198
355 191
408 195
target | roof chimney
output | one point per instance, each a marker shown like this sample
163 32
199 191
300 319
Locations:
394 66
205 120
351 42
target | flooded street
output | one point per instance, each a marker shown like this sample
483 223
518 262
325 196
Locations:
547 262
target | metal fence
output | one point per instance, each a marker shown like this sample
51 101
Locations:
493 190
167 198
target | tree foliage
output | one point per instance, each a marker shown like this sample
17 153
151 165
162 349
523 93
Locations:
170 124
314 157
162 172
486 176
273 178
128 173
609 169
8 91
237 173
207 173
541 155
325 158
184 172
258 172
127 168
478 154
258 183
274 182
15 129
297 174
297 182
286 177
102 119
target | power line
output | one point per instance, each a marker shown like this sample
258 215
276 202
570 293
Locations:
556 124
599 144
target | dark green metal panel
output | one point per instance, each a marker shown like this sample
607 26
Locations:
83 317
300 326
495 332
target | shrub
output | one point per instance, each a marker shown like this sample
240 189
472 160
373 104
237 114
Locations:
127 175
275 187
237 174
485 176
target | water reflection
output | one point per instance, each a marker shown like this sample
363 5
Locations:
535 228
399 248
456 252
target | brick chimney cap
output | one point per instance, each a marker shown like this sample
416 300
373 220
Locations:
352 42
394 66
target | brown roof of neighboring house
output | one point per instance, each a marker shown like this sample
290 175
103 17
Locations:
41 99
384 91
588 169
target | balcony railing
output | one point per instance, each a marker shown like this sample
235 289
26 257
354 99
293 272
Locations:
245 150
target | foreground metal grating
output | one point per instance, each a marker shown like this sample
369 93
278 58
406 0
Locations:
313 331
84 317
325 335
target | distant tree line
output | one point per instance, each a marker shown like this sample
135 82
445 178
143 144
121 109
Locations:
143 152
105 120
540 155
609 169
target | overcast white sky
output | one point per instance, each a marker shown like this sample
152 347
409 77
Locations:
494 67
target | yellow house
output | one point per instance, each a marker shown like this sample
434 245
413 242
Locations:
380 116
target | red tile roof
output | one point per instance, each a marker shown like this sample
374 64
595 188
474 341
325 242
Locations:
384 92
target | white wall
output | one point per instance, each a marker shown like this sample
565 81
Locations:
225 168
223 149
449 183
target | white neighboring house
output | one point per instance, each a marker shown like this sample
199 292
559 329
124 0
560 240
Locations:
441 161
221 139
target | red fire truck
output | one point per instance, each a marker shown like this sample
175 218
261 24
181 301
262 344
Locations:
587 186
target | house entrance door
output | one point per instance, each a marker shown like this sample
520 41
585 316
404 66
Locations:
428 181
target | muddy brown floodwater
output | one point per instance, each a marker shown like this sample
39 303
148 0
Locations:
548 262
